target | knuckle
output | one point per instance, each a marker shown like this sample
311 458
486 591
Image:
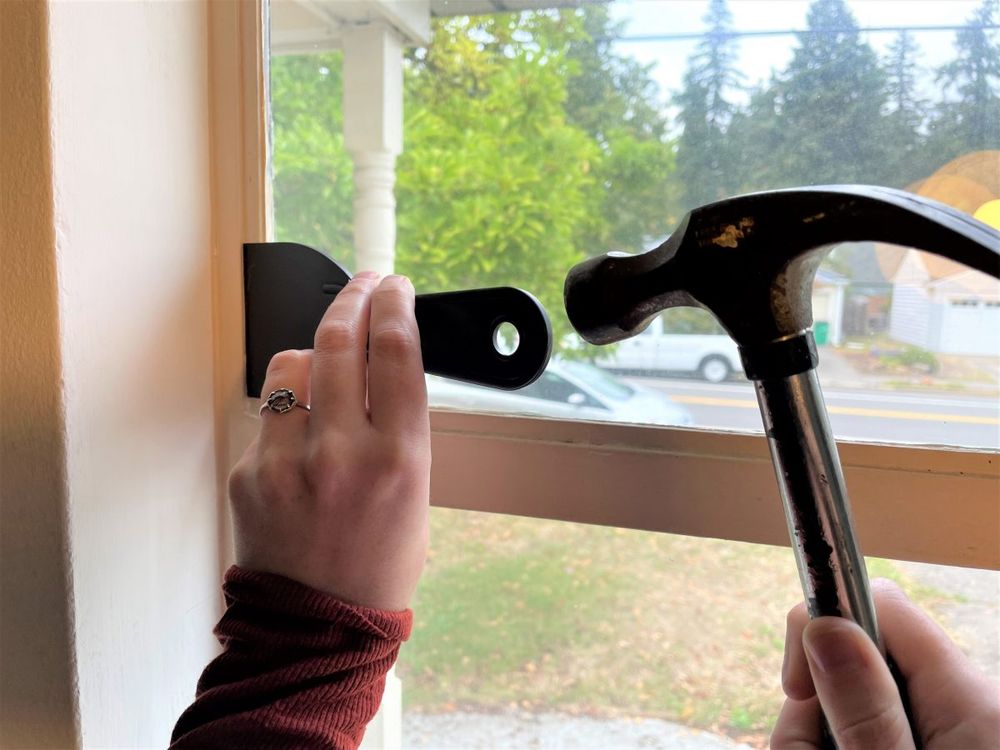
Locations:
401 461
285 360
322 467
239 484
881 725
271 480
337 334
394 342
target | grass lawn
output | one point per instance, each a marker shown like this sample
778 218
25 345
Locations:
542 615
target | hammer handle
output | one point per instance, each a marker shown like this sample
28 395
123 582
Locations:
811 482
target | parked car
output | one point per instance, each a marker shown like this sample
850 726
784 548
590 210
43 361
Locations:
713 357
566 390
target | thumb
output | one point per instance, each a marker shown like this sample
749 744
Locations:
855 689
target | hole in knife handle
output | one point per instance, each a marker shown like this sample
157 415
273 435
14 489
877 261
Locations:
506 339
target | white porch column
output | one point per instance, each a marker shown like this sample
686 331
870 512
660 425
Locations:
373 135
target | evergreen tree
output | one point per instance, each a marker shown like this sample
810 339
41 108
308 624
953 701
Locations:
831 101
969 119
906 158
761 160
705 164
615 100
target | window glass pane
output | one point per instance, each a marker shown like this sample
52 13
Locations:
545 634
534 140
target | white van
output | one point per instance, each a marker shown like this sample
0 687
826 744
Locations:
714 357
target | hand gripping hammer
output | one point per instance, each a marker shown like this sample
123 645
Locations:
751 261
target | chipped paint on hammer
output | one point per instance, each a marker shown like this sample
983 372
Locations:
733 233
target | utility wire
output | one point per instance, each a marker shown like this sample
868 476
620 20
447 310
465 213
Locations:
694 35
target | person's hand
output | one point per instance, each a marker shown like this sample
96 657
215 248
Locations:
337 497
831 663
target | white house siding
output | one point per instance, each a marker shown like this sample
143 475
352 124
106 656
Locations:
971 328
909 315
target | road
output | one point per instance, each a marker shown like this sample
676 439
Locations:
887 416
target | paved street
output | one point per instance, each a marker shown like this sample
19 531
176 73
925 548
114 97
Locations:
869 414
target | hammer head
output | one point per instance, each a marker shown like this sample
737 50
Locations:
751 261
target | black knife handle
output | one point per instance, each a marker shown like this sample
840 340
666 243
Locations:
288 286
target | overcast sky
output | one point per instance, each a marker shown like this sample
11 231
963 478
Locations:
759 56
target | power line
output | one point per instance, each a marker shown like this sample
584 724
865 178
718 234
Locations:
695 35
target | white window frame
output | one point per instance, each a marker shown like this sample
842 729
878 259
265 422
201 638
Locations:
929 504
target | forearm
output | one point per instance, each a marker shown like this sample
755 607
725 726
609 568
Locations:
299 668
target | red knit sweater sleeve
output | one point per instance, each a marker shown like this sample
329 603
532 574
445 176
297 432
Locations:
299 668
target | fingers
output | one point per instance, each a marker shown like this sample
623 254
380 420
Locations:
854 686
288 369
795 678
397 391
339 366
951 700
798 726
936 671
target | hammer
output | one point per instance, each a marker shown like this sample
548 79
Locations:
751 261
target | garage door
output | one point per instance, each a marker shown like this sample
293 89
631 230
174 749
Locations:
971 326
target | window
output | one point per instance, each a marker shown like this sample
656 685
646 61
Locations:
515 199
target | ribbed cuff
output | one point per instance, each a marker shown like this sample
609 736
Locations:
276 593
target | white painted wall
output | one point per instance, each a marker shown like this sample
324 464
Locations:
131 327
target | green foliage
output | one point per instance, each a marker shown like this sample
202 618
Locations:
615 100
706 156
530 144
528 147
494 183
910 357
836 113
906 158
313 189
968 119
830 102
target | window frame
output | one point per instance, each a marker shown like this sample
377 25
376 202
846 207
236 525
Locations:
922 503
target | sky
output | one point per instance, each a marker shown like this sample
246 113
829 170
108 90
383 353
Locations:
759 56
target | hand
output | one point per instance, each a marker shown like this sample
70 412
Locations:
831 662
337 497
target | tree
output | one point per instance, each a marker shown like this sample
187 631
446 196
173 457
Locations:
907 158
761 159
312 184
830 102
971 122
615 100
493 181
705 153
528 145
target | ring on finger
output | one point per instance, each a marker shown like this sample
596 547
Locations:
282 400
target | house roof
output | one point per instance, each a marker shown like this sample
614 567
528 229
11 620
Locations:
304 26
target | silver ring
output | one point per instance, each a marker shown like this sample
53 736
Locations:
281 400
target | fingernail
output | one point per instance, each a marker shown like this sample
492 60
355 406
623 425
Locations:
833 647
366 275
397 280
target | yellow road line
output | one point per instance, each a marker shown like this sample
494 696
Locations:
857 411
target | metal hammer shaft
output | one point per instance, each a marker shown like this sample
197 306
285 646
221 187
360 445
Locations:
812 488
